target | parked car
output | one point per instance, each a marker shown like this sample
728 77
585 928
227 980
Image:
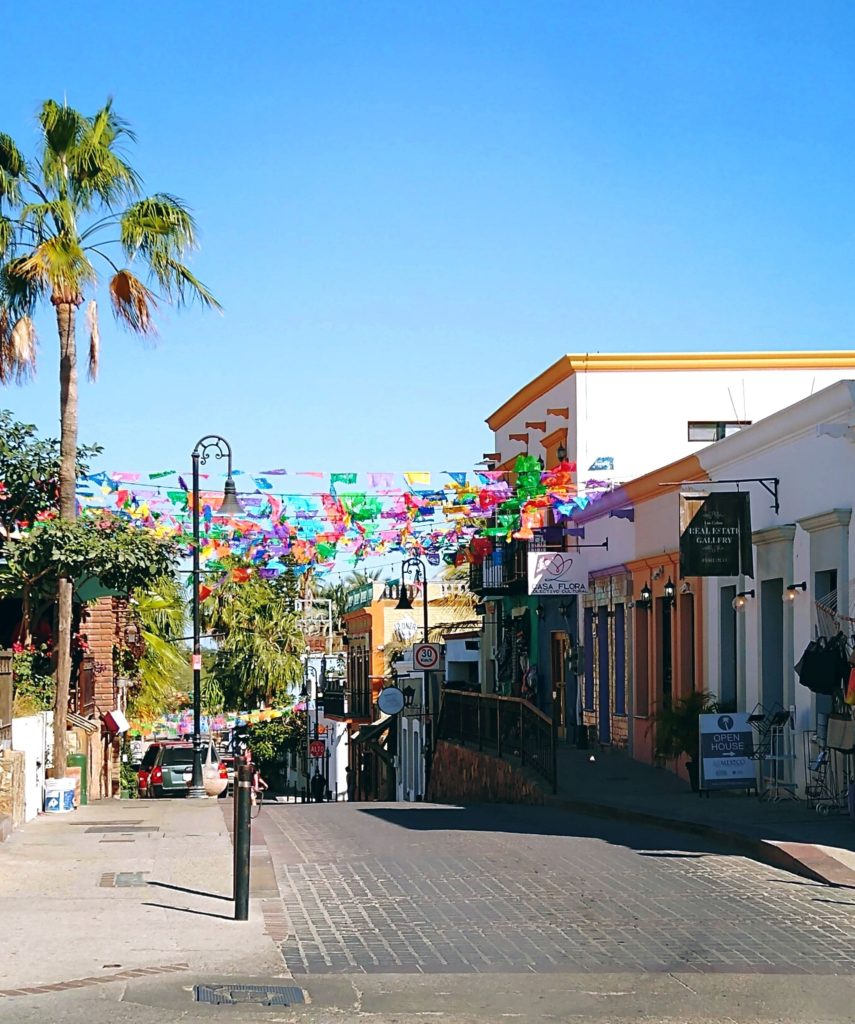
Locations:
172 770
145 767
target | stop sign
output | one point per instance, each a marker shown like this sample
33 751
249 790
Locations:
317 748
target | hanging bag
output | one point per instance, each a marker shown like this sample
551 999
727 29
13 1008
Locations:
214 785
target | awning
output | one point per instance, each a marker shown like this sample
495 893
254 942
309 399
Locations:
372 732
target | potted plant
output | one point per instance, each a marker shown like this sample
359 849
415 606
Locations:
678 730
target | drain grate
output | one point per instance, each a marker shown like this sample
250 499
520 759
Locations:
122 879
263 995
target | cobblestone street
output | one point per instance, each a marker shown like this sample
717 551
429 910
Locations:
427 889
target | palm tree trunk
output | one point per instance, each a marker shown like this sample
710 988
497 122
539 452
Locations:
65 315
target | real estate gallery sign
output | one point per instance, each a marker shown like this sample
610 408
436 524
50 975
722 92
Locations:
715 534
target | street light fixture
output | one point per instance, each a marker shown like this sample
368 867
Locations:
219 448
418 569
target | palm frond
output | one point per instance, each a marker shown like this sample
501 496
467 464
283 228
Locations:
7 236
21 350
133 303
60 264
157 224
61 128
179 284
13 168
18 293
94 338
60 211
97 169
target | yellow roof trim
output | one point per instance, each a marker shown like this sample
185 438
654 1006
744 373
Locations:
600 362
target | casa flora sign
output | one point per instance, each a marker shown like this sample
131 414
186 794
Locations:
556 574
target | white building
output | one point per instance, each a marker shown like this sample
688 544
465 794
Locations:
639 654
643 410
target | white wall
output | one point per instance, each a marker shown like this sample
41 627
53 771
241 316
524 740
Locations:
411 762
641 417
811 534
34 736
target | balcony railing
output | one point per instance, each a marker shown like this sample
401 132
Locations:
507 726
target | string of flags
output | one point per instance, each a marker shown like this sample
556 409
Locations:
320 519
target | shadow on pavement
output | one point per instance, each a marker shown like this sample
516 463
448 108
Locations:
193 892
187 910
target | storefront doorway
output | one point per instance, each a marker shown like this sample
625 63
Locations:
560 660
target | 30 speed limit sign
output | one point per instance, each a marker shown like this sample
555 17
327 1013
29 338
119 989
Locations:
425 656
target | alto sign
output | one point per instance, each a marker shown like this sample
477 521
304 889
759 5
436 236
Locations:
556 574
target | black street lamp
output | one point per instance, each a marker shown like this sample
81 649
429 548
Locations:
219 448
418 570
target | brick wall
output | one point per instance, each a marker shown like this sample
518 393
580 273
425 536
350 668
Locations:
104 622
460 775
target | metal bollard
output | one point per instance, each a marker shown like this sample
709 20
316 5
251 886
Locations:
243 826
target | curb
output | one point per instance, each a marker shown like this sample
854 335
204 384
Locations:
803 859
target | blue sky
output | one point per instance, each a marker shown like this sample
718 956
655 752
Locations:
409 209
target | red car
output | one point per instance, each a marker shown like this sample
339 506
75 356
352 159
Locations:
144 770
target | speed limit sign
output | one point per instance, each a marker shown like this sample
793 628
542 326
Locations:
425 656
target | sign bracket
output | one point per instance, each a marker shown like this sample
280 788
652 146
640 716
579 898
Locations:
577 546
769 483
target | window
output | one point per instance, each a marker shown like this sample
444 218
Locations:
712 430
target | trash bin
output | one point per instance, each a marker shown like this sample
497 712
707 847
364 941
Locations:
59 796
77 762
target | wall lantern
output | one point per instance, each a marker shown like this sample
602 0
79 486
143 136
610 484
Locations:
564 611
409 693
670 591
645 598
561 453
741 600
540 611
792 592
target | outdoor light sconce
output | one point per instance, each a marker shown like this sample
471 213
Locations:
792 591
741 600
561 453
540 611
670 592
564 611
645 598
409 694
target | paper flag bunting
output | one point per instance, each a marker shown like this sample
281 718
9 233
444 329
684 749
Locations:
342 478
414 478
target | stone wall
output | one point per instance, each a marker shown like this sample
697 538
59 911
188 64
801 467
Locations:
462 775
12 787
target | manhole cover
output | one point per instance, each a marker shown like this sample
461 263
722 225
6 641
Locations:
122 879
262 995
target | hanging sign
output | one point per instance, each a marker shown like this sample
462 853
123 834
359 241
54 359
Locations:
715 535
556 574
727 752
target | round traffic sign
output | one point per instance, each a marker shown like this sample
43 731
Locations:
426 656
391 700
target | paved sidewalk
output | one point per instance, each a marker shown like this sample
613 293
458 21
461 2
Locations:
786 833
120 887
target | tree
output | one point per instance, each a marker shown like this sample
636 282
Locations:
258 629
162 673
77 205
121 556
29 473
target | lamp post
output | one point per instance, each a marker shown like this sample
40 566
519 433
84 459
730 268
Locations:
219 448
419 572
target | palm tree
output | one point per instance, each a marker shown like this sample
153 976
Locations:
77 205
161 611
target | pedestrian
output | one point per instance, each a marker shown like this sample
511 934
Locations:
319 787
351 783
